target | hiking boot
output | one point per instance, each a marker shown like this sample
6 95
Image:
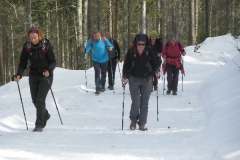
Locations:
103 89
110 87
168 91
97 92
38 129
46 119
133 125
174 92
142 128
155 88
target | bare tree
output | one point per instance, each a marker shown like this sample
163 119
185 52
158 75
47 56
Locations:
79 30
27 13
192 22
57 32
144 30
208 17
162 22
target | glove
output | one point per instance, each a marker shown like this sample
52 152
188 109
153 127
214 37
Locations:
16 78
157 73
124 80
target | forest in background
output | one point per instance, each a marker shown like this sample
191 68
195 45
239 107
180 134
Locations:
69 24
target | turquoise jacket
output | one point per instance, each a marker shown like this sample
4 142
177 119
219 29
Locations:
99 50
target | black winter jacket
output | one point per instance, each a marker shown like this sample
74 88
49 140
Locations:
39 60
116 48
139 66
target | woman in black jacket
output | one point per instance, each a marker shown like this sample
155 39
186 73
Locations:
139 64
156 46
39 52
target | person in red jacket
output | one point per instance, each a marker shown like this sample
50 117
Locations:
171 53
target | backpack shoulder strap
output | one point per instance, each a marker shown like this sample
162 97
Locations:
103 39
92 40
29 46
44 41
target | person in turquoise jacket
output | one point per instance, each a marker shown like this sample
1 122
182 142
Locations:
100 46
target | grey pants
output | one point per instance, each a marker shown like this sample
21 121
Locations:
140 90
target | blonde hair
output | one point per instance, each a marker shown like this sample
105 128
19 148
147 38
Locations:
35 30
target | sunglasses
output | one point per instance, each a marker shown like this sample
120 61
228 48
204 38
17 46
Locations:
141 44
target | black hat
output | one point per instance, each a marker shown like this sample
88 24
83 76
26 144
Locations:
141 37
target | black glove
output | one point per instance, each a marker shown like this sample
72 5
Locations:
14 76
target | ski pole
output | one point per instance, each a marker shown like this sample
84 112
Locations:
182 75
119 70
54 101
163 83
182 82
86 73
123 85
157 104
111 72
22 105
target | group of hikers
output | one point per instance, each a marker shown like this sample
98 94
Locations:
141 69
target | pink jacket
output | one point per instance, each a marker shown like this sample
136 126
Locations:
171 51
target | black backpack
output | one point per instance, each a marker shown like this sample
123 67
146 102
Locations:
145 61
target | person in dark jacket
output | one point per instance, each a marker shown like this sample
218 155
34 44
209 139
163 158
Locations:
156 46
140 62
39 52
172 52
114 58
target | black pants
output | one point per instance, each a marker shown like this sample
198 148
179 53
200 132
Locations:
39 88
172 77
112 64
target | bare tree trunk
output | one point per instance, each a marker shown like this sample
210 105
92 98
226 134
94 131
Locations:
181 20
173 30
208 18
85 21
123 27
229 16
163 22
1 55
196 20
57 33
27 13
144 30
192 23
110 19
90 16
79 30
129 22
116 19
158 19
47 24
99 2
64 44
12 61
